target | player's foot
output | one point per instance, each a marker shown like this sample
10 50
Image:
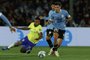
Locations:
56 53
5 48
51 51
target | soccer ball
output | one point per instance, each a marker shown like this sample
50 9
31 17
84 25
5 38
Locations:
41 54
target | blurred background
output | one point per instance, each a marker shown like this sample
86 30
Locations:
23 12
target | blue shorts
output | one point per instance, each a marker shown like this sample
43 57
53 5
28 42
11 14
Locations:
27 44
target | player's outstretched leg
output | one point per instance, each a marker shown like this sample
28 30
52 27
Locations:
5 48
12 45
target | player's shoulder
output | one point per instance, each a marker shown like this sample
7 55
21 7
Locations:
32 23
40 26
63 10
51 11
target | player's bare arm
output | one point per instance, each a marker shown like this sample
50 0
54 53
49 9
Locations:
5 19
50 21
12 29
40 36
23 28
69 19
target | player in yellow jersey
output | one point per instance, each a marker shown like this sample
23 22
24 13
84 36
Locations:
31 39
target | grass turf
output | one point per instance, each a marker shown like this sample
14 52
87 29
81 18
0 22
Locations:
66 53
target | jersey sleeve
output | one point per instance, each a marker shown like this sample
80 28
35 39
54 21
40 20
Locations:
67 14
5 19
40 29
49 15
31 25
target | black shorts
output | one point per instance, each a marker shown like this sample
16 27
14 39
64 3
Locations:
49 32
60 32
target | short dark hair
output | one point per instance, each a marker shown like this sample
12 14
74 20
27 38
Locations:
37 18
58 3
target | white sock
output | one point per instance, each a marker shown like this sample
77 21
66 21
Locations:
11 45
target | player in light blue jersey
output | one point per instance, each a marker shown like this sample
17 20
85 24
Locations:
59 23
6 21
50 27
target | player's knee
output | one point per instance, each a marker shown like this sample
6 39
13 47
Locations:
47 38
23 50
55 36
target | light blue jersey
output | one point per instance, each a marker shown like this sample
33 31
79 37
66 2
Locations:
5 19
50 26
59 19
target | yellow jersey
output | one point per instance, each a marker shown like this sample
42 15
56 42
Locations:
34 32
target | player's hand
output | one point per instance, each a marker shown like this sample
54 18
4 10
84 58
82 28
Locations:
40 36
50 21
12 29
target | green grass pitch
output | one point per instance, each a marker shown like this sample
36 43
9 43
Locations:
66 53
